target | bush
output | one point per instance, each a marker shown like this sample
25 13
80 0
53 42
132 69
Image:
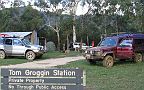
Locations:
51 46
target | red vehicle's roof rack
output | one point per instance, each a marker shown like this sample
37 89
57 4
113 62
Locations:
4 35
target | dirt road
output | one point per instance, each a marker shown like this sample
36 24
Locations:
45 63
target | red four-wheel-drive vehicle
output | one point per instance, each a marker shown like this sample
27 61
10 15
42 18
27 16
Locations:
120 47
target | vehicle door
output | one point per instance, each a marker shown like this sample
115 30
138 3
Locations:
8 46
18 47
125 49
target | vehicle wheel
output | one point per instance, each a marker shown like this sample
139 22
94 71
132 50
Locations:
108 61
92 62
2 54
30 55
138 57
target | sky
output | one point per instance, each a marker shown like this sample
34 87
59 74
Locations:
80 10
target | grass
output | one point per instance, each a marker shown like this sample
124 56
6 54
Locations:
19 60
122 76
57 54
12 60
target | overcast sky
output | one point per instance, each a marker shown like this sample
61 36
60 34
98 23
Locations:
80 10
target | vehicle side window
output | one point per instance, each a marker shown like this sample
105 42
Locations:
8 41
17 42
126 43
138 42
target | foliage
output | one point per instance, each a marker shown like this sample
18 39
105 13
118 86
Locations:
20 19
66 28
51 46
31 19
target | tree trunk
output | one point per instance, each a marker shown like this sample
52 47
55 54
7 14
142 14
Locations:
67 42
58 39
105 30
117 30
87 40
74 28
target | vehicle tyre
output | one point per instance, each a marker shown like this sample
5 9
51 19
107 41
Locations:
138 57
2 54
30 55
92 62
108 61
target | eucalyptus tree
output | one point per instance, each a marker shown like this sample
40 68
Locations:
86 21
31 19
15 23
18 3
2 2
132 18
45 8
11 15
140 13
118 15
73 9
5 16
102 12
71 6
132 14
66 26
58 12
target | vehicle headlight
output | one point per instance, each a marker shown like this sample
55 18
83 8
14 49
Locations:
91 52
37 48
86 51
98 53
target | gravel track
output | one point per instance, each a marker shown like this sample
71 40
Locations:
45 63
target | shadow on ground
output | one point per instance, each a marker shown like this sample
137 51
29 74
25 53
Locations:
117 63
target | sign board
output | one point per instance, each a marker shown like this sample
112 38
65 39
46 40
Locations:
42 79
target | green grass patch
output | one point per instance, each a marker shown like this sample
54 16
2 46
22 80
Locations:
57 54
122 76
19 60
12 60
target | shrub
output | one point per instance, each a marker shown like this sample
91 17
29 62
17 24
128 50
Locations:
51 46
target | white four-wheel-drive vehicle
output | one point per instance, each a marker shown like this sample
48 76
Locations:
78 45
11 46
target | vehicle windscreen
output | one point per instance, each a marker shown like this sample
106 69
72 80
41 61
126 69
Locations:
1 41
26 42
108 42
